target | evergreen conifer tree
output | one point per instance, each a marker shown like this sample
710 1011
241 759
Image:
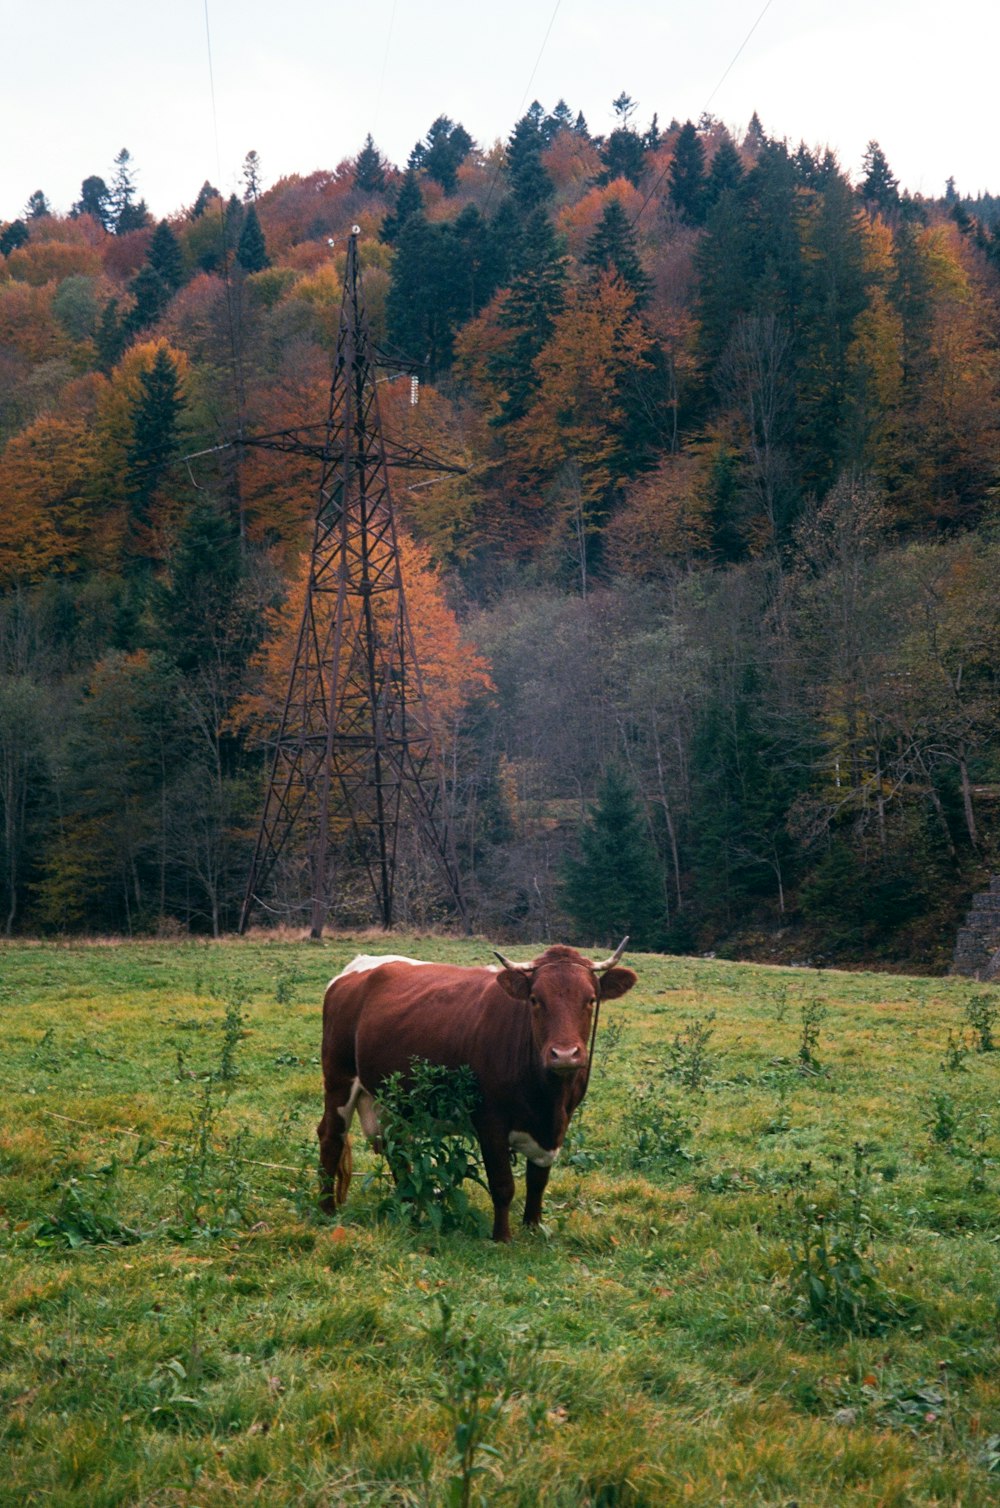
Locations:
369 168
37 206
251 176
165 256
880 186
94 200
725 174
614 888
409 201
687 175
612 247
111 337
206 194
151 294
530 184
623 155
251 249
537 295
13 235
126 213
155 420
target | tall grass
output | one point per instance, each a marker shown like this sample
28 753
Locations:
178 1324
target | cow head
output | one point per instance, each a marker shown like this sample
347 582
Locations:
563 989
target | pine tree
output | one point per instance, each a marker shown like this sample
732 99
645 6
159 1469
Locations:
755 139
442 152
165 256
13 235
126 214
561 119
206 194
409 201
369 169
191 609
251 249
427 294
613 248
151 295
37 206
111 338
94 200
615 889
155 421
530 184
687 175
880 187
726 174
251 176
537 295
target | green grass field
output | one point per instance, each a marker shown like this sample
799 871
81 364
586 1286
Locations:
728 1303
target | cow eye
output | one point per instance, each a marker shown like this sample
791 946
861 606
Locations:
535 1001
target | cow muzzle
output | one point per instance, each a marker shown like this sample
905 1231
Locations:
565 1060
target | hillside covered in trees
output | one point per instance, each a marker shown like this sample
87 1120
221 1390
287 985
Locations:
710 622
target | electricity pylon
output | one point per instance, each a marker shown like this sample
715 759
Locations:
355 753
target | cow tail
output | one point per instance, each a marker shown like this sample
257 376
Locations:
342 1181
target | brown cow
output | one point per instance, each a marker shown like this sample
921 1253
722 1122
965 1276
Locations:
522 1029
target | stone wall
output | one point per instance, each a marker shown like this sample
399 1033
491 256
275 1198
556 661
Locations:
978 945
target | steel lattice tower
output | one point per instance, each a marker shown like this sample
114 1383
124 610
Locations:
354 753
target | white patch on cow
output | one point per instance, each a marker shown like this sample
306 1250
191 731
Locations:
347 1110
361 1101
366 961
529 1148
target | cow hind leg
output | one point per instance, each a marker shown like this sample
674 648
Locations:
335 1144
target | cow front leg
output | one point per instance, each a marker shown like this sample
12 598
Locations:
535 1179
500 1177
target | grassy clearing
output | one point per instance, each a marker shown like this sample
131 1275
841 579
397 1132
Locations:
179 1326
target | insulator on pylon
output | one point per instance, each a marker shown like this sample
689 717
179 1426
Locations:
414 391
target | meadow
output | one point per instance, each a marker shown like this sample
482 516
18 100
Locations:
769 1272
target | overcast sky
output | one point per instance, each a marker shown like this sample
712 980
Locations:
302 81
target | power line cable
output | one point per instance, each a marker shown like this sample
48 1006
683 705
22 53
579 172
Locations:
527 90
385 61
728 71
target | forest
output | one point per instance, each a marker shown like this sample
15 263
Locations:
709 620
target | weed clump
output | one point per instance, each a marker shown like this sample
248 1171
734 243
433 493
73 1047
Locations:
691 1061
981 1013
835 1275
430 1144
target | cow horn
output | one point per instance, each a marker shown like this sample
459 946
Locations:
523 968
602 968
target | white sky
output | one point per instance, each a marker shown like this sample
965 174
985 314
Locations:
302 81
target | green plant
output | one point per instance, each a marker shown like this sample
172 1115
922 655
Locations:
576 1149
943 1119
691 1062
980 1160
212 1187
236 997
955 1053
473 1384
834 1271
981 1012
85 1215
285 982
779 999
813 1013
659 1130
430 1144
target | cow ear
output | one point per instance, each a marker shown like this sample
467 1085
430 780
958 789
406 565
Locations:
617 982
516 982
